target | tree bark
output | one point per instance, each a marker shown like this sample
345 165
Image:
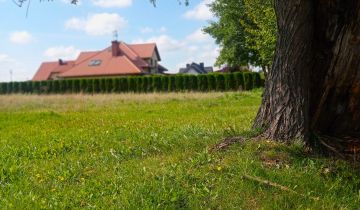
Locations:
314 83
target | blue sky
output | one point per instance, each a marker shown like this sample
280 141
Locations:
57 29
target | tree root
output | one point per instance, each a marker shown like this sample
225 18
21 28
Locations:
278 186
227 142
345 147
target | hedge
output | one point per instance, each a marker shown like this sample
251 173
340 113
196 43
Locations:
143 84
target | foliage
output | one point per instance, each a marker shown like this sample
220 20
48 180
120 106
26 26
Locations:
245 30
139 84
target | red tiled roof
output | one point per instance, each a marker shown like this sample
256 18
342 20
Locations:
109 66
130 60
145 50
48 68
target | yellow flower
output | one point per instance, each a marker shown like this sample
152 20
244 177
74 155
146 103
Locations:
61 178
219 168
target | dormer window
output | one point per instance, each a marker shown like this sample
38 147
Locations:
95 62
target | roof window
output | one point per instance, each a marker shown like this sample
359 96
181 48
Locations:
95 62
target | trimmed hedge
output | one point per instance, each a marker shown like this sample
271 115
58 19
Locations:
140 84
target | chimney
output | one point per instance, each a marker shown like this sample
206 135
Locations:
115 48
202 66
61 62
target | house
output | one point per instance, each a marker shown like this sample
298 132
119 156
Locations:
195 68
120 59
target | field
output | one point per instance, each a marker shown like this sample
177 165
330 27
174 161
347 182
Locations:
153 151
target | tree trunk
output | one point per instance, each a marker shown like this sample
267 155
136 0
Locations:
314 83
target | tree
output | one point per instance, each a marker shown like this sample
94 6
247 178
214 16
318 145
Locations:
245 30
314 84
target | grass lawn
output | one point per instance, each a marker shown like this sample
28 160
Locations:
153 151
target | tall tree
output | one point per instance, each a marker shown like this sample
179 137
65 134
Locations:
314 84
245 30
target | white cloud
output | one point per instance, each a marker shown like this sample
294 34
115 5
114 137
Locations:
165 43
20 72
97 24
21 37
62 52
199 36
112 3
200 12
146 30
196 47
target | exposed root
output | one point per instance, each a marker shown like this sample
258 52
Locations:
278 186
225 143
345 147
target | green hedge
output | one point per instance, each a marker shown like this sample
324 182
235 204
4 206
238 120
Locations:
139 84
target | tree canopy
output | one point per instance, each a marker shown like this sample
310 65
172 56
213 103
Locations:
245 30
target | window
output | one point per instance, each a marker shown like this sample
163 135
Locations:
95 63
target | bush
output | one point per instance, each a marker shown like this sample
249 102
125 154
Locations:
23 87
211 82
256 80
230 82
239 81
124 85
164 83
131 84
248 81
3 88
186 82
220 82
156 83
96 86
179 82
108 85
115 85
193 83
171 86
202 83
75 86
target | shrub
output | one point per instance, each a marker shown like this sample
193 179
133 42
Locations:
171 86
75 86
83 85
187 82
239 81
156 83
102 85
211 82
96 86
108 85
230 83
179 82
36 87
220 82
149 82
62 88
23 87
193 82
3 88
43 87
164 83
115 85
248 81
124 85
131 84
256 80
202 83
15 87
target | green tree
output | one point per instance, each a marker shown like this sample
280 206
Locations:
245 30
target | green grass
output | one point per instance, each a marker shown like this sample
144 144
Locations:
153 151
